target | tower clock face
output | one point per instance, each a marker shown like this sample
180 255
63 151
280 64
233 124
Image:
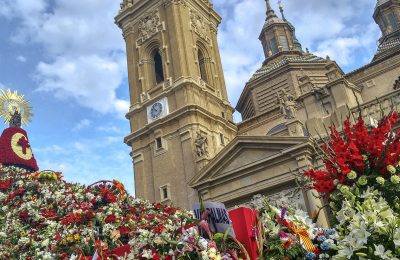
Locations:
156 110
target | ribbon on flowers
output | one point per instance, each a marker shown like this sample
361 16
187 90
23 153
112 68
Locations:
120 187
303 234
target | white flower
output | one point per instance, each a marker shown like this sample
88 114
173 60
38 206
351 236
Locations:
346 252
396 237
147 254
45 243
380 252
158 240
203 243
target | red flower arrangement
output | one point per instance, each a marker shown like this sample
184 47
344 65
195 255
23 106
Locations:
359 151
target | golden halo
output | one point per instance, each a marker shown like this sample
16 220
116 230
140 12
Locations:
11 102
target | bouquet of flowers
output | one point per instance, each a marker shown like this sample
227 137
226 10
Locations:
289 233
361 184
44 217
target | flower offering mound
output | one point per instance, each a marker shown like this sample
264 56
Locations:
45 217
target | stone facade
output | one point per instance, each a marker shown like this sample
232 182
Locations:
177 92
291 98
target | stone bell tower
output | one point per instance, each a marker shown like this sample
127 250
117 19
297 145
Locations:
387 16
180 115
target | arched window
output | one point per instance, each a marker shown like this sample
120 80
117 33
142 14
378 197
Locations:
274 45
158 67
202 65
277 129
392 21
284 42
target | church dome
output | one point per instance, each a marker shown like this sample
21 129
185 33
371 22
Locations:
381 2
273 20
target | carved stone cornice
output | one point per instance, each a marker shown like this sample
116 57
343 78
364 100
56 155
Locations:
175 2
213 28
128 30
199 25
125 4
149 25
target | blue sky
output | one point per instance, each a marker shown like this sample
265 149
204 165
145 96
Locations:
68 58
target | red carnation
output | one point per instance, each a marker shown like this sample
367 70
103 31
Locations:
110 219
57 237
24 215
123 230
5 184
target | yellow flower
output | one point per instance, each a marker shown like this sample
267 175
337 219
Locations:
395 179
77 236
22 234
380 180
391 169
70 238
352 175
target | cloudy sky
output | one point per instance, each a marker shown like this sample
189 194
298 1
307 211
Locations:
68 58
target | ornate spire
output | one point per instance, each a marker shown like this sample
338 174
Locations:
278 34
270 12
296 42
281 9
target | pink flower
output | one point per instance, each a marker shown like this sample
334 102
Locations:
204 226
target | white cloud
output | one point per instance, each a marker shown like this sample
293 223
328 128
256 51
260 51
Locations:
54 166
89 160
21 58
241 51
84 123
84 49
109 129
121 107
91 81
15 8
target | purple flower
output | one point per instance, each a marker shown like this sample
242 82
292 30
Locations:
283 235
283 213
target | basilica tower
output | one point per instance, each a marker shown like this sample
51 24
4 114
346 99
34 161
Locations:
387 16
180 116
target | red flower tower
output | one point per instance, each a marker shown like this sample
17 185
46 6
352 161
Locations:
14 143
